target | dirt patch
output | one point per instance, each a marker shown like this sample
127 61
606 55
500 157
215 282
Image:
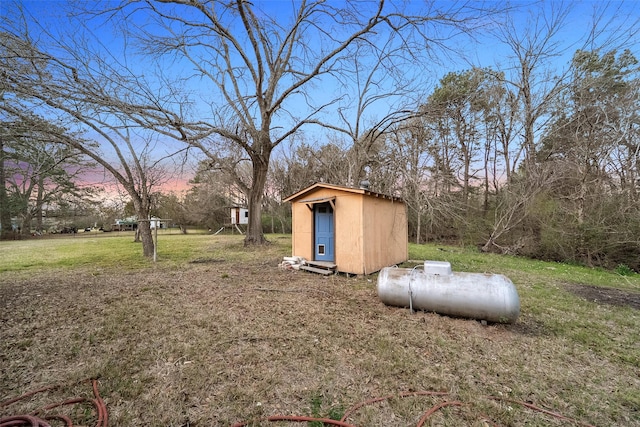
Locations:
610 296
206 260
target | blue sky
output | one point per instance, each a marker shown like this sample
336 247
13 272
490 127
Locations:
485 50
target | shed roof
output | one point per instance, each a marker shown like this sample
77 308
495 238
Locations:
311 188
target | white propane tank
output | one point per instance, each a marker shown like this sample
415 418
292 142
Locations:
490 297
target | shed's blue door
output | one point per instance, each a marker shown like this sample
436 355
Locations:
324 238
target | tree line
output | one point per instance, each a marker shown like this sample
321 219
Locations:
468 175
531 156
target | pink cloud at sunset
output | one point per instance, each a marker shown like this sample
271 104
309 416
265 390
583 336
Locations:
100 179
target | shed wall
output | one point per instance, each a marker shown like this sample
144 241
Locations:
349 238
302 233
385 238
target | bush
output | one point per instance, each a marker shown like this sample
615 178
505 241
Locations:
624 270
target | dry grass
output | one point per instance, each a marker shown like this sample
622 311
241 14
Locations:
231 337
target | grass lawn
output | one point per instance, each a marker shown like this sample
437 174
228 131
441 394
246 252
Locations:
214 334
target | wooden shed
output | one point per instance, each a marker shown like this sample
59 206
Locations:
353 230
239 215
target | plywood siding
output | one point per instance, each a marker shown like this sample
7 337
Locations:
385 233
302 235
349 239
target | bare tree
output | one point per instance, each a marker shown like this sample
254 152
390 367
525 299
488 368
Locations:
538 42
263 76
411 170
537 82
514 207
5 212
72 80
377 86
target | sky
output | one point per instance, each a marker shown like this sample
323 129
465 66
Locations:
483 50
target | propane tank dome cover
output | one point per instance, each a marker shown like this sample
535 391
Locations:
440 268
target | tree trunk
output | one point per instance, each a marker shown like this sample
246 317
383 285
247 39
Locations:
39 203
529 119
488 244
25 231
255 235
142 206
5 213
146 237
487 159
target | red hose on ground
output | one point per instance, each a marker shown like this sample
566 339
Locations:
437 408
103 416
423 419
32 420
57 405
23 420
24 396
390 396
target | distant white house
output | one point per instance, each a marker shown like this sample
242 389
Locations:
156 222
126 224
131 223
239 215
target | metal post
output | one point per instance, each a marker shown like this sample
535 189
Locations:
155 244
